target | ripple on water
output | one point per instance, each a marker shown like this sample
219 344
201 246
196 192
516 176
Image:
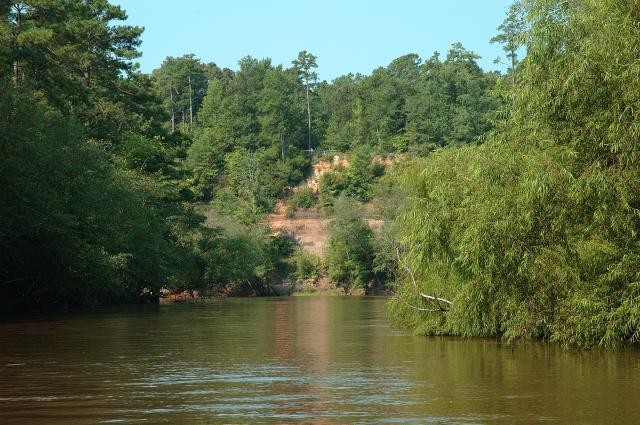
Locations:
325 361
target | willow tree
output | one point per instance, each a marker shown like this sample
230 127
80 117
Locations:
535 233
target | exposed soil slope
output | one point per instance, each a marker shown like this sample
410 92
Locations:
310 227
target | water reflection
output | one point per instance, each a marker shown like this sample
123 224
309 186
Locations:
295 360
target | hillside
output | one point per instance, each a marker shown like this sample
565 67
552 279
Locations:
310 227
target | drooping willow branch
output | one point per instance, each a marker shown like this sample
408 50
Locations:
434 298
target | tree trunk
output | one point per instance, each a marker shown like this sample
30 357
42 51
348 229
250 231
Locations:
87 78
309 115
190 104
173 111
513 67
16 64
16 72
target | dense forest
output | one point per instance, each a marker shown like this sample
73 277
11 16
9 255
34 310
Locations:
510 201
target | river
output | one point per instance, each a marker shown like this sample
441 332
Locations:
316 360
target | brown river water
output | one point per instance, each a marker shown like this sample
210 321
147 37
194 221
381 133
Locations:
315 360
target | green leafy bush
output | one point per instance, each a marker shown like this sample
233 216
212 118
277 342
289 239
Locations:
349 256
304 197
308 265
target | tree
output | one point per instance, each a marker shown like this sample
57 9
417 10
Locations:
76 55
91 212
305 65
533 234
182 83
512 31
453 103
244 119
337 101
205 162
349 257
278 109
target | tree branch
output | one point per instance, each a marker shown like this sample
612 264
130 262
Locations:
431 310
415 285
430 297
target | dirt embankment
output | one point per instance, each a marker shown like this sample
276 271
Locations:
310 227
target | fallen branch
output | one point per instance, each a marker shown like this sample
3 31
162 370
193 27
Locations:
407 268
255 293
431 297
415 285
431 310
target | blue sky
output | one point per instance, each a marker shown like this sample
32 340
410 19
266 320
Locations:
346 35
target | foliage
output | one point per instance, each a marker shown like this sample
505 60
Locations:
409 103
511 36
355 181
534 233
304 197
249 136
333 183
94 202
75 229
182 84
308 265
252 256
349 253
205 164
389 200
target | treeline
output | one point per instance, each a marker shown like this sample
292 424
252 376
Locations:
255 131
534 234
255 128
103 167
409 105
249 140
93 207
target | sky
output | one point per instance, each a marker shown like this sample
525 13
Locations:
347 36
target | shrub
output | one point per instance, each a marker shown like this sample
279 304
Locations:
349 260
290 211
304 197
307 265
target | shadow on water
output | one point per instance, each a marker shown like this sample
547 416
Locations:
321 360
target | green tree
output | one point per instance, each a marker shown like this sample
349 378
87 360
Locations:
454 103
511 36
349 256
182 83
254 121
205 163
91 212
533 234
305 64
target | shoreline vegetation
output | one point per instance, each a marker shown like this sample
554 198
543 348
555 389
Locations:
489 204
